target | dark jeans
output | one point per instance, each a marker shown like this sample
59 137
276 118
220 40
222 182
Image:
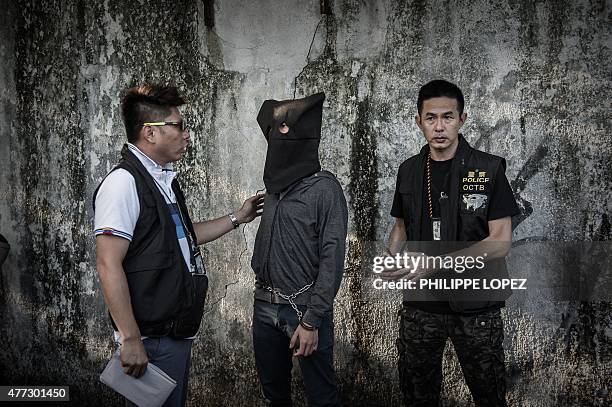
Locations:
478 342
273 327
173 356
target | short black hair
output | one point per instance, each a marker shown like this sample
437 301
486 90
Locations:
147 103
440 88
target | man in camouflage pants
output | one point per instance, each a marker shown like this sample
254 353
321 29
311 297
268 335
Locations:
453 193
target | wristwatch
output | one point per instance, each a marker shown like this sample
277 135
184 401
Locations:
234 220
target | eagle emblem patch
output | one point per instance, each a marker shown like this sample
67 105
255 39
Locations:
474 202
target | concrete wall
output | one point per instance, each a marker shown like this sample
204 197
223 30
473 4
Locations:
536 76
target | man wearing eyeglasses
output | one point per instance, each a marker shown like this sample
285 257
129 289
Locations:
147 255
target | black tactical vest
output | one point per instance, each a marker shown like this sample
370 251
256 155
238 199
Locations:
463 213
161 288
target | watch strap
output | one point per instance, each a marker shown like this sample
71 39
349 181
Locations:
234 220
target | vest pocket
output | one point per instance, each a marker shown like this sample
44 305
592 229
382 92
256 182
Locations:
155 288
189 323
473 226
143 263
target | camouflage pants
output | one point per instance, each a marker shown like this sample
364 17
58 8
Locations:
478 342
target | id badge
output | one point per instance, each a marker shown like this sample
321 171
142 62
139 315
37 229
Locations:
435 225
197 267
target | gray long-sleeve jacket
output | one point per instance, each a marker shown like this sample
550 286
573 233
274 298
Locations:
302 239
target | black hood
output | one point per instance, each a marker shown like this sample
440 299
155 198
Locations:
295 154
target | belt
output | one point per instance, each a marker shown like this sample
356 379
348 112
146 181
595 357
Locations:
264 295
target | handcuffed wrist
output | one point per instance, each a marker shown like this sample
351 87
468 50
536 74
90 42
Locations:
307 326
311 319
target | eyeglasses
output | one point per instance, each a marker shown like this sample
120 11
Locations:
181 125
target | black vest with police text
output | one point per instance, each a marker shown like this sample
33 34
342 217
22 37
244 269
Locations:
463 213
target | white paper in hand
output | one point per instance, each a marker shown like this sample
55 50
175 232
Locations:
150 389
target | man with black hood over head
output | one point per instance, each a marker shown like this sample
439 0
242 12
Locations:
298 257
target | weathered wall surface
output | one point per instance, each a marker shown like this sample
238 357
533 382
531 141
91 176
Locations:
536 76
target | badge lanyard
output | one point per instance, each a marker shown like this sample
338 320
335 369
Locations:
435 222
197 267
